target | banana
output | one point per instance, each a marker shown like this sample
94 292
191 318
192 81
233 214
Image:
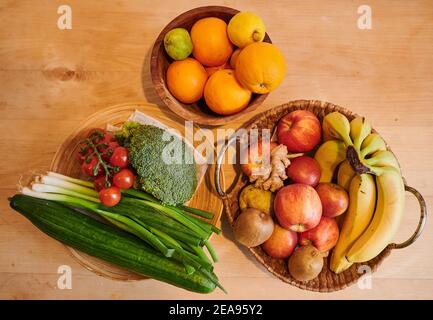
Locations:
337 126
383 158
345 174
371 144
362 200
326 136
359 130
329 155
386 218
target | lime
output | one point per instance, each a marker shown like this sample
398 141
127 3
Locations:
178 44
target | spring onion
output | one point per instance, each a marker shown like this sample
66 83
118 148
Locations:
80 182
54 181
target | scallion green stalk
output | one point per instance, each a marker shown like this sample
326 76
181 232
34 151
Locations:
213 228
178 217
199 252
146 196
211 251
197 212
142 232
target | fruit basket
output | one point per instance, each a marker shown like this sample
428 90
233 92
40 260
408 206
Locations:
326 281
63 162
198 112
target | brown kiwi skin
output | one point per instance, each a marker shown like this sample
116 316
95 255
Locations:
253 227
305 263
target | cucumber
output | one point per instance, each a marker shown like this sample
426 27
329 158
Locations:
106 242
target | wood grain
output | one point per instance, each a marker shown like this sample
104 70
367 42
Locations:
385 74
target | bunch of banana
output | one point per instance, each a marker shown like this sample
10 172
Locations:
371 175
351 147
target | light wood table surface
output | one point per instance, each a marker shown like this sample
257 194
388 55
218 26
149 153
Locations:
52 79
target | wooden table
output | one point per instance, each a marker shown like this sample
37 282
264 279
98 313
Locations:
52 79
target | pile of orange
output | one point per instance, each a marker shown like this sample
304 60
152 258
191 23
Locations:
224 75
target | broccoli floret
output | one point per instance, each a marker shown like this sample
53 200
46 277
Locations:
164 164
123 136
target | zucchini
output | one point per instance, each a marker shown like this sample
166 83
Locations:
106 242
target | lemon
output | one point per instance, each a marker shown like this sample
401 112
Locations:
246 28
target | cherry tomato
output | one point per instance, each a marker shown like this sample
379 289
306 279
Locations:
101 183
83 152
97 135
107 150
119 157
89 167
124 179
109 196
109 137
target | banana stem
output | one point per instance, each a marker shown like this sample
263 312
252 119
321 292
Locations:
356 162
360 165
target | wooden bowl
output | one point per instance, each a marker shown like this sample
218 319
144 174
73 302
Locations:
64 162
198 112
327 280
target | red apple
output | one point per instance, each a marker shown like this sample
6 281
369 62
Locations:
324 236
299 130
304 170
281 243
257 157
334 198
298 207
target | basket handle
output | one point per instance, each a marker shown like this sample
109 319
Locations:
422 219
220 158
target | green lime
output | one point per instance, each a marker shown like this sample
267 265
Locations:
178 44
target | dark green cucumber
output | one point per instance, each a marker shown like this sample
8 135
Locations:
106 242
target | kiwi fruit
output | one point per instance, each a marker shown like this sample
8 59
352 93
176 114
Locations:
305 263
253 227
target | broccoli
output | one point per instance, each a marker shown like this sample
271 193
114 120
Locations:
164 164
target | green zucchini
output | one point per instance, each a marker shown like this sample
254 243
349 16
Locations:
107 242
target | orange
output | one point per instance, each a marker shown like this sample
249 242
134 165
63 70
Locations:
224 94
211 44
186 80
260 67
211 70
234 58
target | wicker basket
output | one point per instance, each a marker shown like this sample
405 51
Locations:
327 281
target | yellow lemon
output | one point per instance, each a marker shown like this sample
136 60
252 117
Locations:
246 28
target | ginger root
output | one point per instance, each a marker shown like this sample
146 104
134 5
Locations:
272 176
